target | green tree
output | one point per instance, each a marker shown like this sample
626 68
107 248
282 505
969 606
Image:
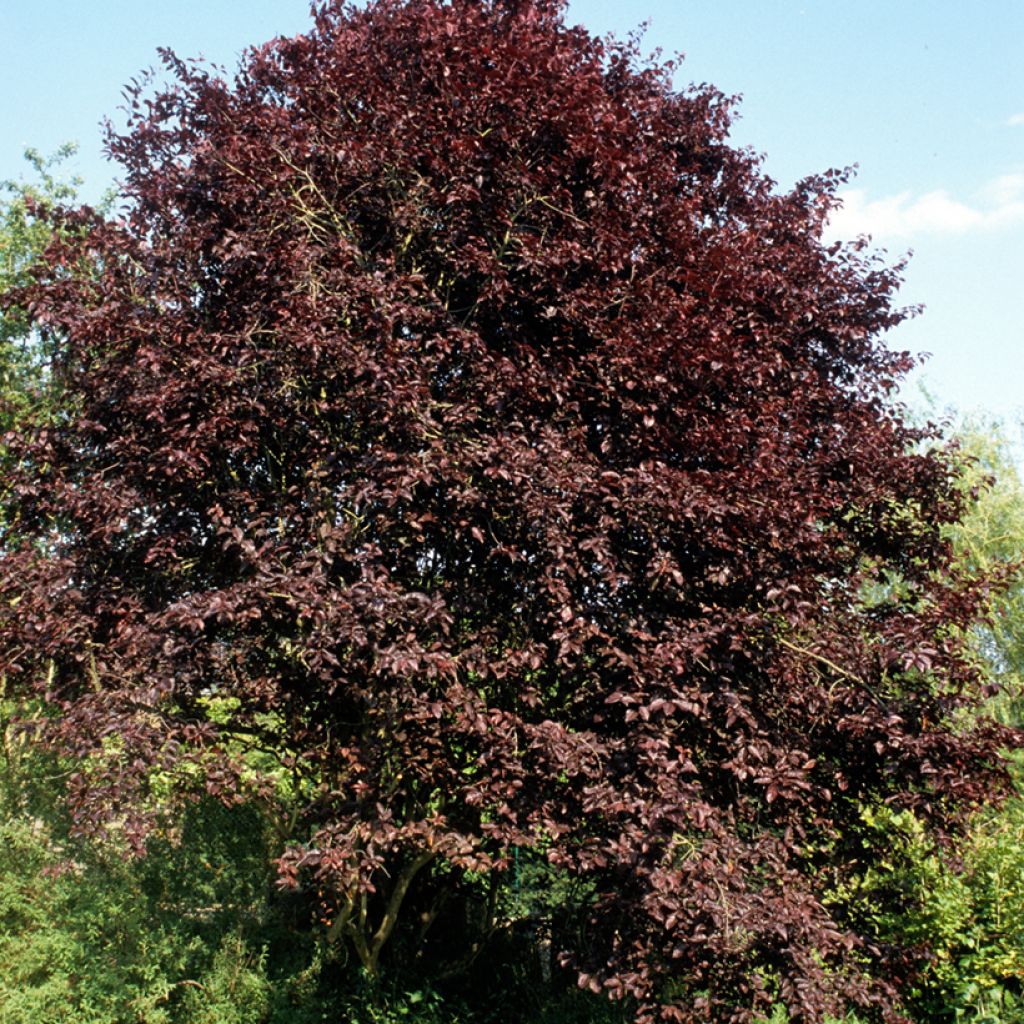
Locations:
25 233
990 540
961 907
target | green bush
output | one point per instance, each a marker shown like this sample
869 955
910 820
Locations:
91 937
76 942
962 911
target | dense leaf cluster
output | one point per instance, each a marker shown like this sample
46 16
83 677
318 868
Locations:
469 454
23 237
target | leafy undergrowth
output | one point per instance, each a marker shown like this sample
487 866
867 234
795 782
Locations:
196 932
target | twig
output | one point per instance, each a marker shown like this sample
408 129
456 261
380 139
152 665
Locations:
838 669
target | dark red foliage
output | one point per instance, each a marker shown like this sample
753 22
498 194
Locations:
467 447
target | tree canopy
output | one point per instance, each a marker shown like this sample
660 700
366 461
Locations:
23 237
467 453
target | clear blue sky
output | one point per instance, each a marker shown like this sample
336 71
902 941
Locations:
927 97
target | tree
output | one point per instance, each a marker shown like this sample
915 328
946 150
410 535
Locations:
470 455
990 539
23 237
964 908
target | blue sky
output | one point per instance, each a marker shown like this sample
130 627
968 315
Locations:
928 99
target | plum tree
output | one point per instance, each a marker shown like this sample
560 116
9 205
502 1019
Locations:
468 451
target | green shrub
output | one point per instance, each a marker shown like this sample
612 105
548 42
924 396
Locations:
967 925
90 937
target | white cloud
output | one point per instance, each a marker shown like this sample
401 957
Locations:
1006 190
998 204
1015 119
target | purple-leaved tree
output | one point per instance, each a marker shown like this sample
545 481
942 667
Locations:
465 450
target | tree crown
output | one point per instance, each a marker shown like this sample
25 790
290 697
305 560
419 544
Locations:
472 452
